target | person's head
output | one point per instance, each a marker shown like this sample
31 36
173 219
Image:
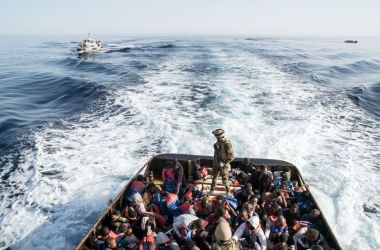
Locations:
281 221
281 246
246 161
286 175
190 245
295 183
151 188
284 182
199 224
176 164
105 231
275 209
248 188
263 169
111 242
255 199
204 201
129 231
151 177
131 214
314 213
294 208
140 178
244 214
116 213
123 228
220 212
146 179
250 207
316 247
91 242
162 239
311 235
219 134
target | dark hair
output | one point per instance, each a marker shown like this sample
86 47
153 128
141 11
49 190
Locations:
189 244
123 228
116 212
105 231
220 211
140 178
199 223
262 167
151 185
316 247
91 242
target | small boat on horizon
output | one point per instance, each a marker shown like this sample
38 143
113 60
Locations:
89 45
351 41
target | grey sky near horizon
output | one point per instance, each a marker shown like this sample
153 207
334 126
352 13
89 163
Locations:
348 18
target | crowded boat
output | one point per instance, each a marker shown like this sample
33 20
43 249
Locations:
169 205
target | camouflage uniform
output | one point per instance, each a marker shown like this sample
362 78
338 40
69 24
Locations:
230 245
222 153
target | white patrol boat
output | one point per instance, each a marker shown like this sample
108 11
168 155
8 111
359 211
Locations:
89 45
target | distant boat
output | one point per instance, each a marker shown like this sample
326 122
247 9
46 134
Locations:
351 41
89 45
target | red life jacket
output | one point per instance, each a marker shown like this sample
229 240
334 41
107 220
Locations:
168 173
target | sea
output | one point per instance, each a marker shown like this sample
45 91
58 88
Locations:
74 129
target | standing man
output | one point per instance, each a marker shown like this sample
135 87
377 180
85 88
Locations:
223 155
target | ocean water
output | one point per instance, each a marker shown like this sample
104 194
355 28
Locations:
73 129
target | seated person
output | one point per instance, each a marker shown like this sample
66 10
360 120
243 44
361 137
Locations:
278 232
303 201
284 185
164 243
200 235
255 201
274 197
150 190
241 218
262 180
251 230
292 214
307 237
137 186
129 241
185 208
203 207
244 194
182 226
111 244
314 217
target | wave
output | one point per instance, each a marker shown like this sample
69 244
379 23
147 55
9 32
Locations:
367 97
43 97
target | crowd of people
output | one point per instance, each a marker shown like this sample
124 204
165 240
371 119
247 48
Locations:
262 209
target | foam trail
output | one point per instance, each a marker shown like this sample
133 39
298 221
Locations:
78 165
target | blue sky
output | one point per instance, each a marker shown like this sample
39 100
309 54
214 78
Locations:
348 18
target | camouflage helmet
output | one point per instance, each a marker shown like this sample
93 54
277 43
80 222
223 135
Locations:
218 132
